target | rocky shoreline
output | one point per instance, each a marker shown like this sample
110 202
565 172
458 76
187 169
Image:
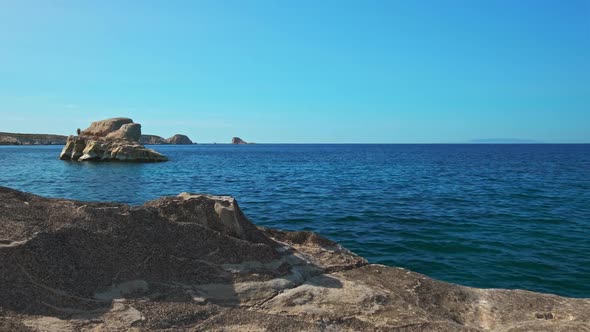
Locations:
31 139
195 262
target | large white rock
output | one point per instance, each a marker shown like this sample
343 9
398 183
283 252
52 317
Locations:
109 140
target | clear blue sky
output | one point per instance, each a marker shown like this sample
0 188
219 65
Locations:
300 71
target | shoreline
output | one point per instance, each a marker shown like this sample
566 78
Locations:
238 272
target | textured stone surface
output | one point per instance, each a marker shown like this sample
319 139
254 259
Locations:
109 140
101 149
104 127
179 139
128 131
195 263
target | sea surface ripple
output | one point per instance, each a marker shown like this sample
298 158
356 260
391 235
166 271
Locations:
501 216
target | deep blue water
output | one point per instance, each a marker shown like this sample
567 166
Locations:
508 216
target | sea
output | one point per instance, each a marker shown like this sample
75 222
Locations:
482 215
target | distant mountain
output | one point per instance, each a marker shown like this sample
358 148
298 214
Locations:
502 141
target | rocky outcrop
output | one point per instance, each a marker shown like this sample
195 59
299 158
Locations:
128 131
196 263
179 139
152 140
31 139
237 140
109 140
83 149
104 127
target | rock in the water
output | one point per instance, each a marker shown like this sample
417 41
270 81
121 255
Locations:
152 140
237 140
104 127
111 140
83 149
179 139
196 263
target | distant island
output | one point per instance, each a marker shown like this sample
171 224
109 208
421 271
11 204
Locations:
177 139
31 139
237 140
502 141
51 139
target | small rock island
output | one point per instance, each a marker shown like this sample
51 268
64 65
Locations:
179 139
237 140
115 139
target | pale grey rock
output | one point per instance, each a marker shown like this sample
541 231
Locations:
110 140
104 127
83 149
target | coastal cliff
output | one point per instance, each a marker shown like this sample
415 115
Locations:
115 139
31 139
195 262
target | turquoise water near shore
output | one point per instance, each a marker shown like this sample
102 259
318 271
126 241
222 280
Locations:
502 216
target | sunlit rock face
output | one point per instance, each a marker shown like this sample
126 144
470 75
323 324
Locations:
128 131
114 139
104 127
195 262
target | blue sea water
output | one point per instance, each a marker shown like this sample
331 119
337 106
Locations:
502 216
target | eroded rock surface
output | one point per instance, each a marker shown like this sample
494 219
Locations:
104 127
128 131
195 263
109 140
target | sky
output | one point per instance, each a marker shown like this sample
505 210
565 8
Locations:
300 71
